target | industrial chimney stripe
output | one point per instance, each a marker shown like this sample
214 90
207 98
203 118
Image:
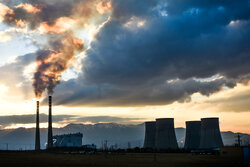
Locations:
50 134
37 139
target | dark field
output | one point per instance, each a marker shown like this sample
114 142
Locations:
120 160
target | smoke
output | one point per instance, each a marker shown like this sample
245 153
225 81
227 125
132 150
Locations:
51 63
58 22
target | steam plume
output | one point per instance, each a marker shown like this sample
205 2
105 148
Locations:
57 20
51 63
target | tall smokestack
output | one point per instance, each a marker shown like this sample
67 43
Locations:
50 140
37 140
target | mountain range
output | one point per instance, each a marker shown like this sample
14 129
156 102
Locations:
119 134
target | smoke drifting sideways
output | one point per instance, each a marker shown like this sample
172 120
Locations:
51 63
56 20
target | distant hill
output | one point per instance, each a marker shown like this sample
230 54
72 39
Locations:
119 134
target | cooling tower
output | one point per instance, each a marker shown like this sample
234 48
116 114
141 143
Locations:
210 133
193 135
149 141
37 140
165 134
50 135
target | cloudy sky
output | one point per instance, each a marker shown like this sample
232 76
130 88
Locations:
125 61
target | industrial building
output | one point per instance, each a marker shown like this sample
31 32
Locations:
90 146
193 135
159 134
150 129
165 137
68 140
210 134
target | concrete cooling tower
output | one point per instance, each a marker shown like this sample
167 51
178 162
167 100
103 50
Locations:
193 135
210 133
149 140
165 134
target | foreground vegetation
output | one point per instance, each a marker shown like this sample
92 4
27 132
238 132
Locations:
116 160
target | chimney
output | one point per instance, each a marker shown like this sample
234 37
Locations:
50 140
37 140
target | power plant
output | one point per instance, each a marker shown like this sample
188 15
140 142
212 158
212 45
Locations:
200 135
37 139
165 137
68 140
149 141
193 135
159 134
50 134
210 134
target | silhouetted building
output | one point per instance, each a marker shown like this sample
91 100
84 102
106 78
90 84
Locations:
149 140
210 133
50 134
68 140
193 135
37 139
165 134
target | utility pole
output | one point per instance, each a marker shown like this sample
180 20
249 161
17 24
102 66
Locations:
246 142
238 140
102 146
129 145
106 145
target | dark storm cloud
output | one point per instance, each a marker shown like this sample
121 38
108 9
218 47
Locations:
150 93
156 52
159 63
50 11
11 75
98 119
28 119
184 46
123 10
239 102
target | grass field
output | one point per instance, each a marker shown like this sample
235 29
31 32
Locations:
116 160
